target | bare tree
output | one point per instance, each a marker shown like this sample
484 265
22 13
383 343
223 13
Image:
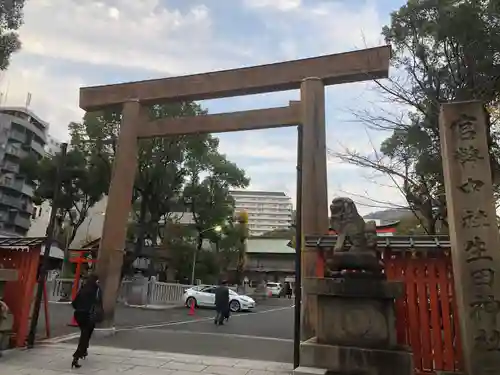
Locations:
436 59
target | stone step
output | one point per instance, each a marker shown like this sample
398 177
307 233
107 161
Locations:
302 370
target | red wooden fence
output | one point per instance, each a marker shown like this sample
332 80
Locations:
18 295
427 318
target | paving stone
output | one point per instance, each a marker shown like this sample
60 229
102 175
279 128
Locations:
104 358
217 361
37 371
146 362
265 372
253 365
56 360
148 371
113 369
225 370
187 358
279 367
180 366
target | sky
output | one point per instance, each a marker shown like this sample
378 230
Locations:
68 44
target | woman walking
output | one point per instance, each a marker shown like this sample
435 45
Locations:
88 312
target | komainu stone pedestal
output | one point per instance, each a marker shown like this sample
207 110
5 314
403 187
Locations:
356 331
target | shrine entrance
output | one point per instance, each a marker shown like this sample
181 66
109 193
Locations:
80 258
309 75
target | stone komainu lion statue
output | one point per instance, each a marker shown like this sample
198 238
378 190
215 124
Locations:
351 227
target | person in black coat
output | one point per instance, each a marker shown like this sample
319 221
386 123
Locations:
88 312
221 303
288 290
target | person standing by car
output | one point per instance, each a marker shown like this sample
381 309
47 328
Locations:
285 289
221 303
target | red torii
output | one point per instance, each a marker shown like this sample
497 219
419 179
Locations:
79 257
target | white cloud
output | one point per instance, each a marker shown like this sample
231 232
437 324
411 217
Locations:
282 5
321 28
136 34
90 35
54 100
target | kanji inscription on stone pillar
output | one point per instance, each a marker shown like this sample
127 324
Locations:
474 233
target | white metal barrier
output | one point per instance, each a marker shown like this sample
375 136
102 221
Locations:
158 293
124 291
59 288
165 293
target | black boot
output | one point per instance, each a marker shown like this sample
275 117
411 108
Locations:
75 363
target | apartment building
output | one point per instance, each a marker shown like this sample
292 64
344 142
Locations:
53 146
22 133
38 226
267 210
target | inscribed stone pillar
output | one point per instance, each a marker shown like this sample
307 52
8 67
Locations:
473 233
314 191
112 244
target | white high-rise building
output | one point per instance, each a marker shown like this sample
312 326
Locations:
267 210
53 146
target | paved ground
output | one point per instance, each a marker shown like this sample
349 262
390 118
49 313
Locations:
56 360
265 334
60 316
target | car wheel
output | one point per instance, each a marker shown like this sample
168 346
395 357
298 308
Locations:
234 306
190 301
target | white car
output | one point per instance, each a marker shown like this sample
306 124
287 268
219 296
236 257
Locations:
203 295
274 289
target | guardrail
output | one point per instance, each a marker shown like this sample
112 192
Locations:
135 292
401 243
59 289
165 293
156 293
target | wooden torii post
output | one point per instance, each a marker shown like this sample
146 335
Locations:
309 75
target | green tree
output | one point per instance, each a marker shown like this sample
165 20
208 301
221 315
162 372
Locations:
442 51
11 19
179 244
170 170
161 170
206 193
83 184
230 249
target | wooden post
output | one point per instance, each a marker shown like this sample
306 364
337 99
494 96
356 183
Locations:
473 233
46 309
111 249
314 191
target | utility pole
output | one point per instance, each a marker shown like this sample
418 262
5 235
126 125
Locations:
49 237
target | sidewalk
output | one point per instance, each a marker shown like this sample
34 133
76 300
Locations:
56 360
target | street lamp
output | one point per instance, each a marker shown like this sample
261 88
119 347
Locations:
216 229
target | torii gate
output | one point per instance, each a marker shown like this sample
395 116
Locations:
309 75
